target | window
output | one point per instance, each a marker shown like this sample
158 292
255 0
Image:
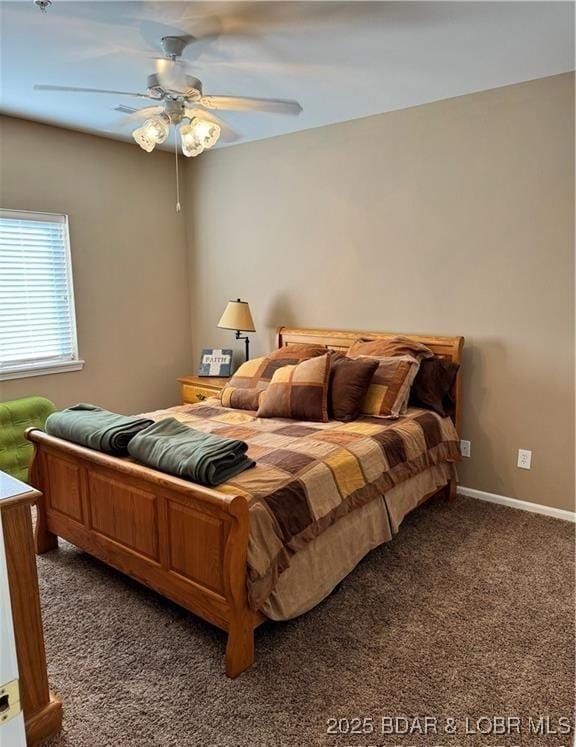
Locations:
37 321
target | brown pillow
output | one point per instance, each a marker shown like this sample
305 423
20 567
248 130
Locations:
433 384
389 348
349 382
255 375
240 399
387 395
299 392
300 351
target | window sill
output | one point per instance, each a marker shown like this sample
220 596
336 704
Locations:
43 369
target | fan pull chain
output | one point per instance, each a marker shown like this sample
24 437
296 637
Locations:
178 208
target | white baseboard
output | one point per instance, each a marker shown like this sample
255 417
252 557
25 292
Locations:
503 500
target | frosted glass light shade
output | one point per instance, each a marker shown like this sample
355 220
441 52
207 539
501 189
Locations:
206 132
151 133
237 316
156 128
191 146
143 140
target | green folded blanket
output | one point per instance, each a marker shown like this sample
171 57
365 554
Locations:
172 447
95 428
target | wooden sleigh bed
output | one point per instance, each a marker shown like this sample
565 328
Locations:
186 542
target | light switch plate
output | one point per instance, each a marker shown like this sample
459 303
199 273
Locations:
524 458
465 447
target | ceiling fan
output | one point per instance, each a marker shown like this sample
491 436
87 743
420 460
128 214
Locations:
180 102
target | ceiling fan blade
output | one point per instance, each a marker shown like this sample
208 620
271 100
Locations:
183 19
227 134
256 18
246 104
230 18
273 67
75 89
139 114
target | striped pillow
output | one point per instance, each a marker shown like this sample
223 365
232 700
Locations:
387 395
299 392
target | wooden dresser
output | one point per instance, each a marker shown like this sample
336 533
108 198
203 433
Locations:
42 710
194 389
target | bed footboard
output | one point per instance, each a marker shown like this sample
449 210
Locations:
187 542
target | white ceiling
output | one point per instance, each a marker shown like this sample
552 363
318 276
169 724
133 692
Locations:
340 60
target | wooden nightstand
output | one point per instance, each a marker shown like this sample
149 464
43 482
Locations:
194 389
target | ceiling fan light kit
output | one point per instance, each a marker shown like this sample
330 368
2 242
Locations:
196 136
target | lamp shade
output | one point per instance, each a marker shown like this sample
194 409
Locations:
237 316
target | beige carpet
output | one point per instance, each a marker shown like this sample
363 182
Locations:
467 613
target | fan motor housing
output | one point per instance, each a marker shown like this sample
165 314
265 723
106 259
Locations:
156 89
174 110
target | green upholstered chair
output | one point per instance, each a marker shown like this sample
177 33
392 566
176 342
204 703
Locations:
15 417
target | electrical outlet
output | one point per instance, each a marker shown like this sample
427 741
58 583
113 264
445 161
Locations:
524 458
465 447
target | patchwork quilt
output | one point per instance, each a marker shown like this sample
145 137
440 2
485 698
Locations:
308 475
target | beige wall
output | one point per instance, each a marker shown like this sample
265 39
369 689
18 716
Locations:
128 254
454 217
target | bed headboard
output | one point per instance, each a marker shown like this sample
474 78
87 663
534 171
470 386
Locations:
341 339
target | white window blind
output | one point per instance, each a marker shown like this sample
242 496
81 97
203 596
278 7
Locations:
37 322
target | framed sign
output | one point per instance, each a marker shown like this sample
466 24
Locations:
215 362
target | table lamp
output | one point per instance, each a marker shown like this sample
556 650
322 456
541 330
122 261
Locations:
237 317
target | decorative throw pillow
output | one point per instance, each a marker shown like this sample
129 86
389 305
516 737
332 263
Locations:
390 347
300 351
349 382
240 399
255 375
387 395
433 384
299 392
